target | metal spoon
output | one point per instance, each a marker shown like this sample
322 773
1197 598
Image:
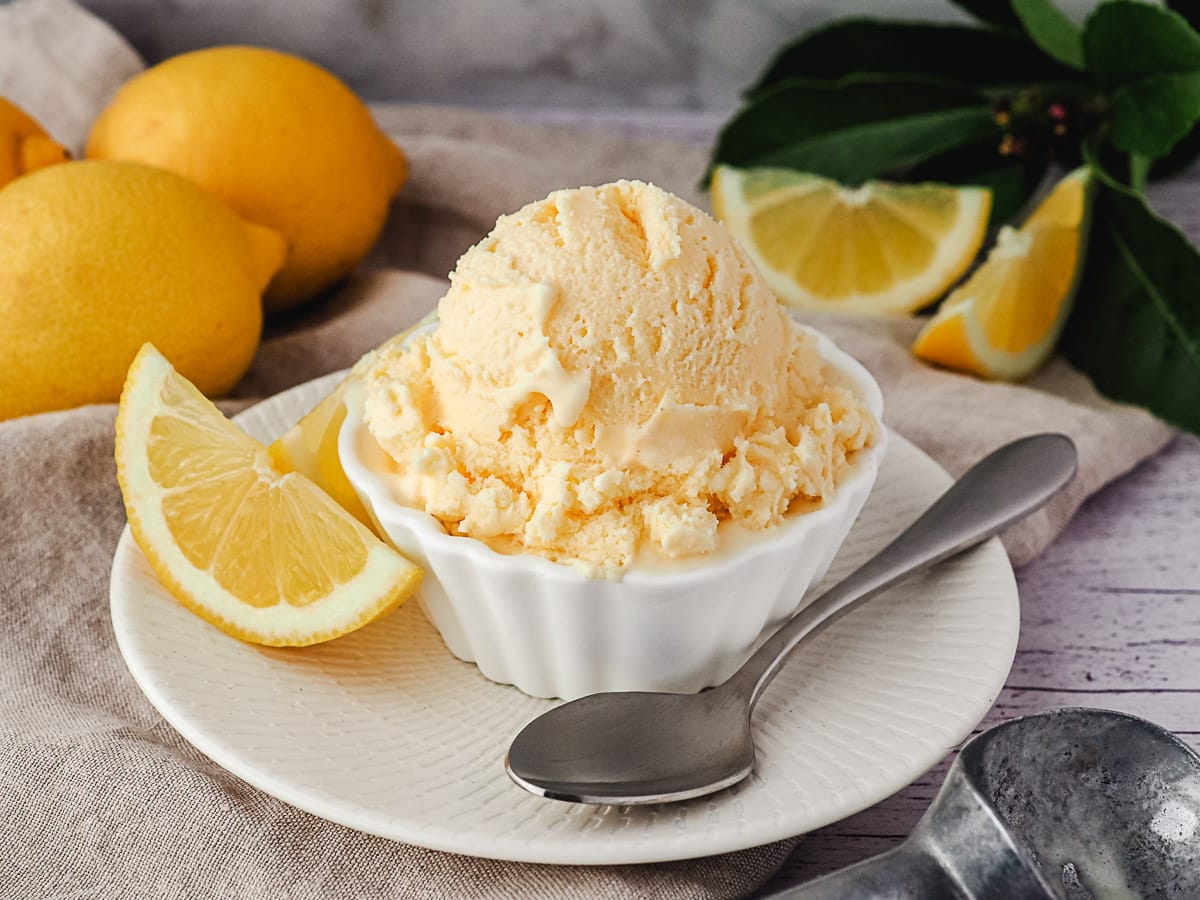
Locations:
632 747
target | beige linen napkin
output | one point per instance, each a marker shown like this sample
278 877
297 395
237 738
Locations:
98 796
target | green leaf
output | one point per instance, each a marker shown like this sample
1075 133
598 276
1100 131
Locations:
1012 182
1011 188
1150 115
1135 328
1051 30
855 129
1149 59
1188 9
1181 156
1126 40
961 53
995 12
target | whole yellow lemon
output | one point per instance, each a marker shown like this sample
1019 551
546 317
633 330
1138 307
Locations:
96 258
280 140
24 144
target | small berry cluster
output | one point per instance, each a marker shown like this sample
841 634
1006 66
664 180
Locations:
1038 125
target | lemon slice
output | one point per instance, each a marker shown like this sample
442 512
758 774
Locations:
310 446
265 556
880 248
1004 321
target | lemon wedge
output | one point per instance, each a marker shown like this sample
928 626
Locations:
310 446
1004 321
879 248
265 556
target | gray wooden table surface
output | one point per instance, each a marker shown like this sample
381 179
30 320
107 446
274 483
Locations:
1110 617
1110 613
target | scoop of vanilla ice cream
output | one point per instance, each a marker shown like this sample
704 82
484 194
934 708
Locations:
610 376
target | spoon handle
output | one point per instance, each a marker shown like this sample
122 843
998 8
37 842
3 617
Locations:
998 490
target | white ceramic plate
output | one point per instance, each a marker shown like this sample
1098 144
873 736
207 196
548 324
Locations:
384 731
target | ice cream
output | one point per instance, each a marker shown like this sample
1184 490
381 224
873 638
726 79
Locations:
610 380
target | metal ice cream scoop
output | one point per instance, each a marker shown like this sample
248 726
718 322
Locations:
643 747
1071 804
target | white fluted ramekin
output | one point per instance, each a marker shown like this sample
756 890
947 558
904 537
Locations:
553 632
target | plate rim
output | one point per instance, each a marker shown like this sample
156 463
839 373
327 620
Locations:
680 847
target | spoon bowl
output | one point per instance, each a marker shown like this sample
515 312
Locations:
647 748
637 747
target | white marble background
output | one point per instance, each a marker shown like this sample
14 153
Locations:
651 55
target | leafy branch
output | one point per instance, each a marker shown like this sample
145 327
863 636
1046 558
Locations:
1000 103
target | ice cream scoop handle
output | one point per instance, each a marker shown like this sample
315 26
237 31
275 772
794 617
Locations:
903 871
998 490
